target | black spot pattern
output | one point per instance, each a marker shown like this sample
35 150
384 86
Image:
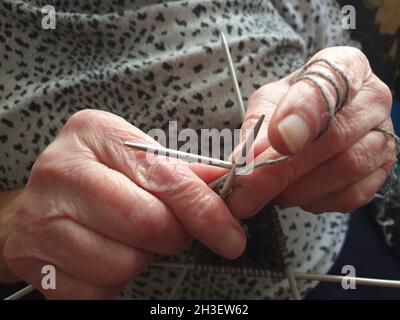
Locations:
153 61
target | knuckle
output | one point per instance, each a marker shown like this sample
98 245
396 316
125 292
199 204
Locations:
53 169
339 135
356 198
166 177
130 267
385 94
204 203
354 56
381 93
391 151
387 167
357 160
45 167
260 102
206 211
389 143
257 95
81 120
357 54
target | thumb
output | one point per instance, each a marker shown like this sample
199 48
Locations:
322 87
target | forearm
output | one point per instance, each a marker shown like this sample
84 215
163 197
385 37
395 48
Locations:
8 202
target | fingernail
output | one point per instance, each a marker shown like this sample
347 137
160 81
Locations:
232 244
295 131
242 202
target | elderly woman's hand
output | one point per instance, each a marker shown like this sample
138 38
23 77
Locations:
97 210
343 169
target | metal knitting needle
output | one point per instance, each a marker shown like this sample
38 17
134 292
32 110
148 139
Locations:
243 170
227 186
302 276
235 83
185 156
339 279
289 271
21 293
190 157
230 177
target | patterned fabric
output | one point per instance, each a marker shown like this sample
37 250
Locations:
154 63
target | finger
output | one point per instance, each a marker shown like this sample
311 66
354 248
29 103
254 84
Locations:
303 112
199 209
108 202
81 252
66 286
353 196
263 102
207 173
125 212
355 163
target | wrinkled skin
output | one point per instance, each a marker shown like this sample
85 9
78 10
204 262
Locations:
97 210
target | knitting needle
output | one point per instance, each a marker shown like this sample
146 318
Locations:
227 186
175 288
236 89
244 170
302 276
359 281
230 177
21 293
188 157
289 271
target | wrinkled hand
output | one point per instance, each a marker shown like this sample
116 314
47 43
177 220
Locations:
97 210
343 169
